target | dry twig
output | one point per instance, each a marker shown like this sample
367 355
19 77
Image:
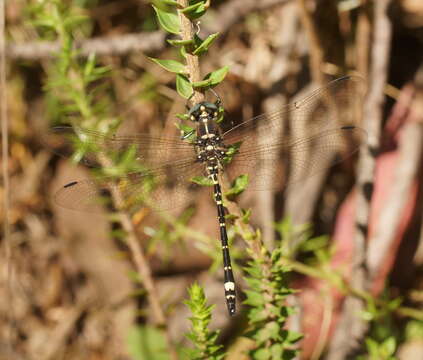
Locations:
110 45
316 51
143 268
229 14
301 204
193 65
5 176
363 40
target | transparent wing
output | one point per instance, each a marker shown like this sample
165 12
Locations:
334 105
271 160
149 150
275 166
163 188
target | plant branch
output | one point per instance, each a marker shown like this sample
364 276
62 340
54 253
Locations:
229 14
107 45
363 39
142 265
339 283
316 51
193 64
5 176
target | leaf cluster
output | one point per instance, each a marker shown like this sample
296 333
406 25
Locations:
74 86
167 12
268 311
204 340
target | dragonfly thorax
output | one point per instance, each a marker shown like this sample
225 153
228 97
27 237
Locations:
209 145
210 148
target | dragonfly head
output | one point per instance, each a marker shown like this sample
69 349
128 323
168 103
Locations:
203 111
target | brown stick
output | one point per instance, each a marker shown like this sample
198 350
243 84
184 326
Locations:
246 230
301 204
363 40
351 328
316 51
193 64
141 264
229 14
8 266
108 45
234 11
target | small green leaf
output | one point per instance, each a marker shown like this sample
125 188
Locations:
231 152
372 346
184 128
202 180
212 79
239 185
256 315
276 350
394 303
183 86
169 21
246 214
182 116
231 217
45 22
170 65
389 346
195 11
90 64
261 354
187 132
74 21
183 52
202 84
414 330
180 42
204 46
293 336
254 298
170 2
217 76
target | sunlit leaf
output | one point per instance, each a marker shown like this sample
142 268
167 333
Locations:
183 86
195 11
217 76
170 65
169 21
204 46
239 185
202 180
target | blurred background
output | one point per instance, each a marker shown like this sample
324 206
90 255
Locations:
70 286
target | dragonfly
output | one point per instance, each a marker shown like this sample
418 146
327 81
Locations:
274 149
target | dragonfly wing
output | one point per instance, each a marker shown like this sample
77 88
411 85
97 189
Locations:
163 188
150 151
334 105
275 166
